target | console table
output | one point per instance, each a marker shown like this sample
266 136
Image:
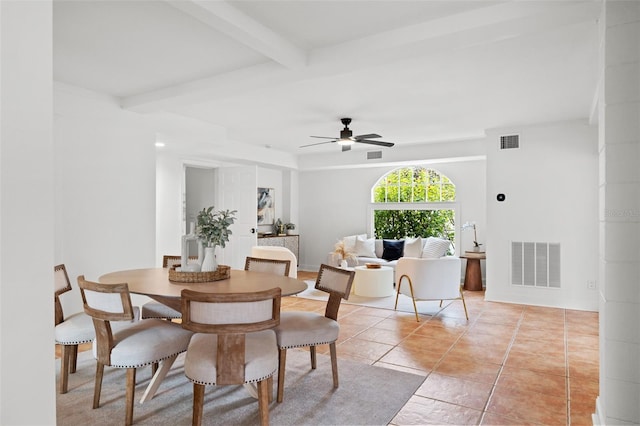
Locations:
473 272
289 241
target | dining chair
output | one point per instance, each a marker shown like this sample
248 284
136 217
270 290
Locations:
69 331
127 344
270 266
430 279
234 343
277 252
157 309
309 329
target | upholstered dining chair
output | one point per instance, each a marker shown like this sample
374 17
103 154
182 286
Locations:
277 252
234 343
70 331
429 279
127 344
309 329
270 266
157 309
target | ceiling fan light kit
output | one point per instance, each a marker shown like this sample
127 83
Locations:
347 139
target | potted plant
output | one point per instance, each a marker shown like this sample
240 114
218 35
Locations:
213 230
290 227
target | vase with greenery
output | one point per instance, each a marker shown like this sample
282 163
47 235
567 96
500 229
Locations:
290 228
213 230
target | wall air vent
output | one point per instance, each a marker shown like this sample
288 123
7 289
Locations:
509 141
374 155
535 264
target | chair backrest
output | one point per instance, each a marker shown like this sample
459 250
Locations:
337 282
169 261
61 284
432 279
277 252
105 303
230 316
270 266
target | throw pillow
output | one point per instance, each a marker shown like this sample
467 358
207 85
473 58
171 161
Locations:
435 248
350 242
413 247
392 249
365 247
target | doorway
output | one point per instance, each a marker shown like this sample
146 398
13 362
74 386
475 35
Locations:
200 184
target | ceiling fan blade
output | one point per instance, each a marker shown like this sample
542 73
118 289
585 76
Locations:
318 143
322 137
369 136
346 148
379 143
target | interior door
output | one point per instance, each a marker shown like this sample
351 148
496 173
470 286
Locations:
237 187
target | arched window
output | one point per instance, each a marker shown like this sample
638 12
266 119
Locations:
413 185
414 201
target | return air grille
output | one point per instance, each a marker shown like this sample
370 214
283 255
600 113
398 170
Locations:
374 155
535 264
509 141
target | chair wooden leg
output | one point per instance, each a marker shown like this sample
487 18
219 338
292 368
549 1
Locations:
282 361
131 390
270 386
464 305
98 386
413 299
263 402
334 363
198 403
154 368
312 351
74 359
65 361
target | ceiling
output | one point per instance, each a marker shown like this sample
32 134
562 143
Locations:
272 73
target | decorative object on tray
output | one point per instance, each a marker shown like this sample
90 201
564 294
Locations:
213 230
344 255
184 258
372 265
470 225
221 273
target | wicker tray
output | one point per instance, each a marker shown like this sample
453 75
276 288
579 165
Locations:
222 273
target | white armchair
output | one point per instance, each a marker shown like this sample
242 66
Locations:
429 279
278 253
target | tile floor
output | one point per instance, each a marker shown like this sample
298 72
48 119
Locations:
509 364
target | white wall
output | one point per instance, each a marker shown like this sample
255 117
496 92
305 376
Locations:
335 203
105 197
27 363
550 184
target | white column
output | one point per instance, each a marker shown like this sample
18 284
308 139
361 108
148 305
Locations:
27 363
619 180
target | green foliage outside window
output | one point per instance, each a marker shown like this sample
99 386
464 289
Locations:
414 185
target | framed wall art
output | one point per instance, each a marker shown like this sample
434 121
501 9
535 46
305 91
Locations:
266 206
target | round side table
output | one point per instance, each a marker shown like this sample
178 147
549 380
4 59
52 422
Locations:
372 282
473 271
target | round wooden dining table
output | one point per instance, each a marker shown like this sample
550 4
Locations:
154 283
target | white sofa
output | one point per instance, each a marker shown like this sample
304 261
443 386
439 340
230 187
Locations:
369 250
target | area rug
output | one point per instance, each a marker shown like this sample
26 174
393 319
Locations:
405 304
367 395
